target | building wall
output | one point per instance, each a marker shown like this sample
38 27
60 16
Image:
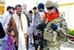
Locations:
2 7
68 10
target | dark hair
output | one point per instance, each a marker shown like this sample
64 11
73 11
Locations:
30 11
34 8
17 6
13 8
9 7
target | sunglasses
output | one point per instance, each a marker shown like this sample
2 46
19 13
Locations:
50 8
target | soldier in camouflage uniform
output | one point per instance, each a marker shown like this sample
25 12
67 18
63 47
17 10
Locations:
56 28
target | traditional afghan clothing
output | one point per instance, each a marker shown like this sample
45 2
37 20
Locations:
20 28
10 43
5 20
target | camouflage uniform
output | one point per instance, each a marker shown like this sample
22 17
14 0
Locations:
53 39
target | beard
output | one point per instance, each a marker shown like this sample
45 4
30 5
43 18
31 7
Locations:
10 12
19 14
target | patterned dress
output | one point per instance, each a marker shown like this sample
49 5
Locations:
10 43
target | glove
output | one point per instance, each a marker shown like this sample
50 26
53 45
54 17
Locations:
41 26
54 26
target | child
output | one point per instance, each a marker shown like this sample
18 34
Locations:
10 41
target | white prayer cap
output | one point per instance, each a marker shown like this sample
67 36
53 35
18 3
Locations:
24 6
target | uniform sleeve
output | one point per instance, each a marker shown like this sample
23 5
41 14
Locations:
63 26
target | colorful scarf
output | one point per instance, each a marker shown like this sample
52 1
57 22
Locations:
51 17
10 43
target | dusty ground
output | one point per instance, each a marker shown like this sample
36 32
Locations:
65 46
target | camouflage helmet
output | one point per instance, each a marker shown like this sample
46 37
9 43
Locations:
50 4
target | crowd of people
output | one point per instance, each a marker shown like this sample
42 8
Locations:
45 30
